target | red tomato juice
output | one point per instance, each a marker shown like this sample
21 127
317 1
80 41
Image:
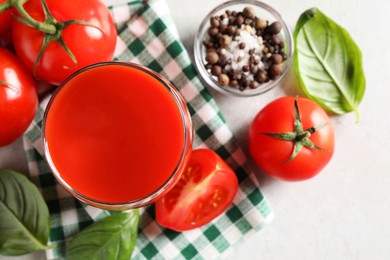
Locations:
114 133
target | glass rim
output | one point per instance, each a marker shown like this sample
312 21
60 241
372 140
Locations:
199 59
184 156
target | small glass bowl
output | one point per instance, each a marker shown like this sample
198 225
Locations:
262 11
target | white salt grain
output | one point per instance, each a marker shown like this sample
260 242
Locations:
241 57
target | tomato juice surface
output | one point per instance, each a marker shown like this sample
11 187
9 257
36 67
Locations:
114 133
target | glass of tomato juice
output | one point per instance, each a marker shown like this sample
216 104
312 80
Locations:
117 135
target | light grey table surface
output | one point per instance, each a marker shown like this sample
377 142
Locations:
344 212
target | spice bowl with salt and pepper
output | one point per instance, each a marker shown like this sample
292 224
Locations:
243 48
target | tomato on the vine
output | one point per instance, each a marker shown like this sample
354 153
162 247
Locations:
18 97
82 29
205 190
292 139
5 20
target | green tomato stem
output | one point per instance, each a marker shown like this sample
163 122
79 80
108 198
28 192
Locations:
300 137
5 6
41 26
10 86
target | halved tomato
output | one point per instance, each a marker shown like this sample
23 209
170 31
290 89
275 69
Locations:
205 190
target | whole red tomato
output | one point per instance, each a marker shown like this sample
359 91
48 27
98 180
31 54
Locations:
5 20
205 190
91 38
18 97
291 139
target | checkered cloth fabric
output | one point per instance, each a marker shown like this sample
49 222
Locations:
147 35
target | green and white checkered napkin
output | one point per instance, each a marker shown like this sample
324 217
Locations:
148 36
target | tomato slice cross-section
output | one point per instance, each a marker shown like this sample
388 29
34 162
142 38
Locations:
205 190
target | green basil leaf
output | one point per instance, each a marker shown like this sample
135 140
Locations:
24 216
112 238
328 63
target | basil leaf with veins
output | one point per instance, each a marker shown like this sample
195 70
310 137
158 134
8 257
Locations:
328 63
113 237
24 216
